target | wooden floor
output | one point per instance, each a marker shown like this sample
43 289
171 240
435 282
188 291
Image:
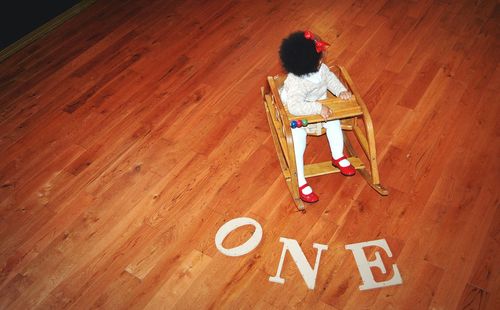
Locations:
133 132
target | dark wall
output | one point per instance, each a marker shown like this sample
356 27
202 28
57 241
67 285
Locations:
18 18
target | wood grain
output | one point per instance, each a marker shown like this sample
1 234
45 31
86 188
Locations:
131 133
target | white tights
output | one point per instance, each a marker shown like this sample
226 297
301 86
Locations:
335 140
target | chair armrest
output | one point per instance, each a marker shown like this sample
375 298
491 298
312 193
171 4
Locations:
341 109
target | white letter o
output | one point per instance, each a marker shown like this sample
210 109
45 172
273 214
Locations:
233 224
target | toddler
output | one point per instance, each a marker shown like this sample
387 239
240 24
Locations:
308 80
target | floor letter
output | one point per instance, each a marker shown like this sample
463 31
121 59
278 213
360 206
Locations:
231 225
364 265
300 260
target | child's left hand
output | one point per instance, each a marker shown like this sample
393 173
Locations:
345 95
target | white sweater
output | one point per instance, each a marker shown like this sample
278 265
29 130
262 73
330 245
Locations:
299 94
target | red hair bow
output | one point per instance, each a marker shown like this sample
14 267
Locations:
320 45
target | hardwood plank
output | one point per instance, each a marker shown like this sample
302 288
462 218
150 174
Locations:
473 298
172 290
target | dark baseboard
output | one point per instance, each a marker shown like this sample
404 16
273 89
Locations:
44 29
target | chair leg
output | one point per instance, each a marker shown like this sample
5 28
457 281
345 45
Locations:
294 190
288 168
292 180
367 141
293 184
371 178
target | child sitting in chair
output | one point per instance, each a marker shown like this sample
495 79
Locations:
308 80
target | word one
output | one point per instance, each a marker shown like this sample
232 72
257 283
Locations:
309 273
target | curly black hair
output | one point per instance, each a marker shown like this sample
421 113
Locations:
298 55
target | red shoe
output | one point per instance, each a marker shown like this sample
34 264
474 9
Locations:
312 197
347 171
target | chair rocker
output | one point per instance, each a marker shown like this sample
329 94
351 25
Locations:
354 116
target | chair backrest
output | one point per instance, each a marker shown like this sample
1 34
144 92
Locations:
279 121
275 83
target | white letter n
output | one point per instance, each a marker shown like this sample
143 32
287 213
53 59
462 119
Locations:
308 274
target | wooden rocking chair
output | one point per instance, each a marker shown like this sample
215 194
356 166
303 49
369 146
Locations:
354 116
